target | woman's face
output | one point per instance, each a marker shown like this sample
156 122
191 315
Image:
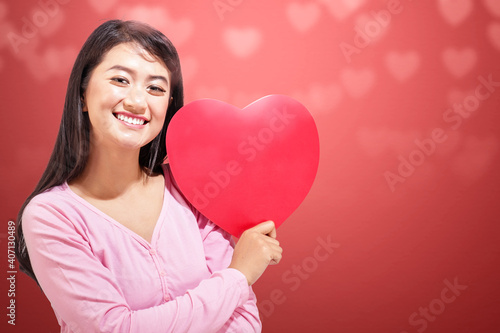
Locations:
127 98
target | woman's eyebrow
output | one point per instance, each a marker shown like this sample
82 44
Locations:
158 77
133 72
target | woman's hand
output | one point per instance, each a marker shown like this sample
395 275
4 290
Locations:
256 249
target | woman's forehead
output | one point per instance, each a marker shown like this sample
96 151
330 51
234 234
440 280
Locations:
132 52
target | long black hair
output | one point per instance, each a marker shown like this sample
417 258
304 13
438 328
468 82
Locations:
71 150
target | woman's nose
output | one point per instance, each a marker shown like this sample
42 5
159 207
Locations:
135 101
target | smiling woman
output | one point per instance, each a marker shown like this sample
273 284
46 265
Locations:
132 84
106 233
126 101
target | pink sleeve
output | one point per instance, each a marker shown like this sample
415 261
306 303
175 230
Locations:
86 297
219 246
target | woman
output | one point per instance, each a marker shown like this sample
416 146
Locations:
107 234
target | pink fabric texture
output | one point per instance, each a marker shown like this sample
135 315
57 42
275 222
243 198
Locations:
99 276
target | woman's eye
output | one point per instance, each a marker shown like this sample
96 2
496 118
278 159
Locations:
157 89
120 80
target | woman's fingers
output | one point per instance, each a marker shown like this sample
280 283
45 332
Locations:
277 254
266 228
256 249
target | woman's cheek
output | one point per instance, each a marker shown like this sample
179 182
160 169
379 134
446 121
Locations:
159 111
115 95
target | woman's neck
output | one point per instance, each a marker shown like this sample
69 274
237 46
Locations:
110 173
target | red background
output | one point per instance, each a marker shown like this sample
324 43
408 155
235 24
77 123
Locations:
394 247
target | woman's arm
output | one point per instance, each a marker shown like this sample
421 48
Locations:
87 298
219 246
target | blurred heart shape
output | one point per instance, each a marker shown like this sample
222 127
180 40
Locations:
303 16
242 42
455 11
459 62
475 158
493 6
102 6
178 30
341 9
357 82
402 65
494 34
240 167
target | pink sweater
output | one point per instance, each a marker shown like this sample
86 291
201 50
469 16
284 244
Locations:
99 276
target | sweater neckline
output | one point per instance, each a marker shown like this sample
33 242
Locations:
158 224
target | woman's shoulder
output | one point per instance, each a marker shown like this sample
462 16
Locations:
57 200
205 224
169 177
173 188
51 195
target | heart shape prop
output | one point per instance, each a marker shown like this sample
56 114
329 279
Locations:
240 167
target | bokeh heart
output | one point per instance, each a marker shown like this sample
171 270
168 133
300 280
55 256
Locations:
240 167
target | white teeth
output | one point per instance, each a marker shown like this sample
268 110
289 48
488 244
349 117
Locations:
130 120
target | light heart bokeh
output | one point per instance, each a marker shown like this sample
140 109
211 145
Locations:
400 232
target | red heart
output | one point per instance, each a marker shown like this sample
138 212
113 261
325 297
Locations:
242 167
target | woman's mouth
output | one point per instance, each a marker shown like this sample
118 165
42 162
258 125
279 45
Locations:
130 120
